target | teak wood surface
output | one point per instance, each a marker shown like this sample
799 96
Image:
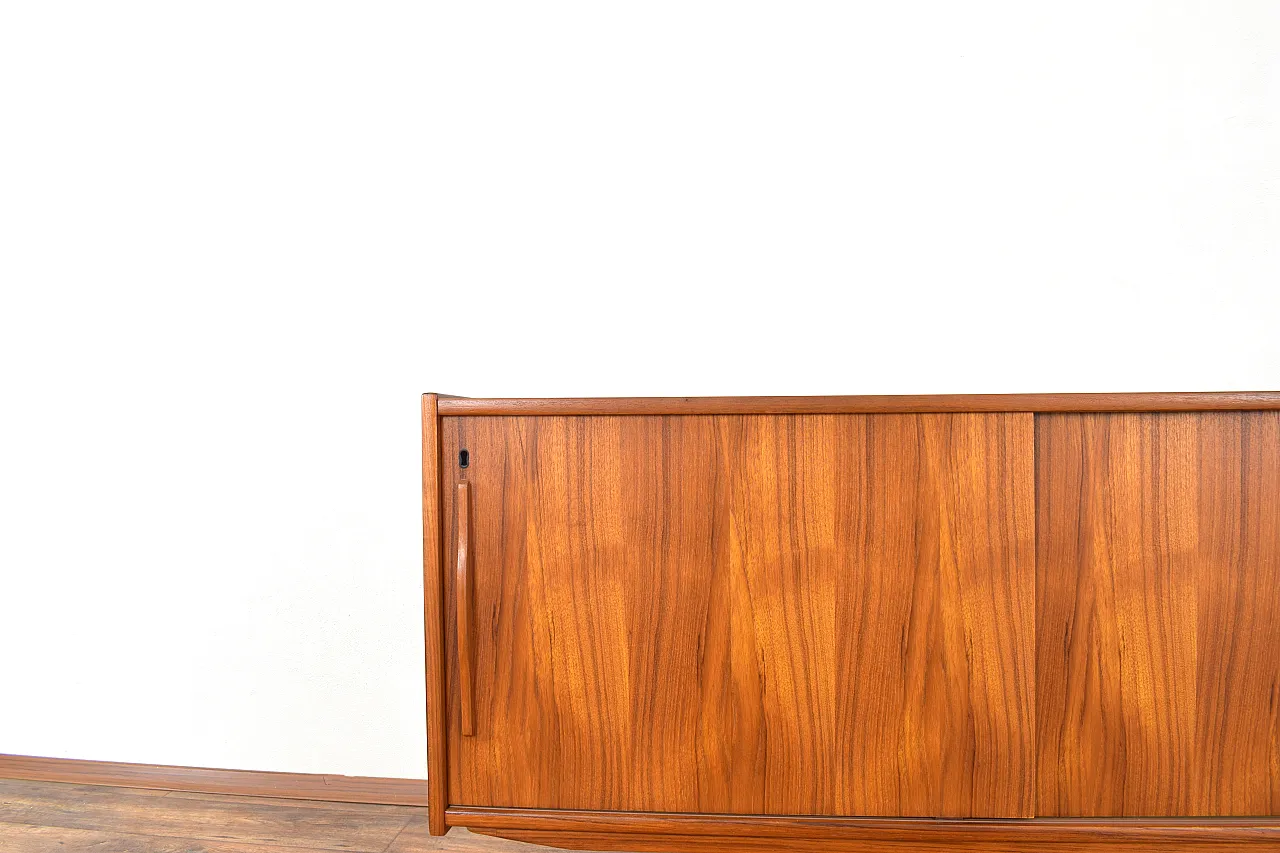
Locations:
748 615
433 615
868 404
707 623
1158 677
688 832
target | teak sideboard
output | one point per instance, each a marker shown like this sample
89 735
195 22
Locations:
994 622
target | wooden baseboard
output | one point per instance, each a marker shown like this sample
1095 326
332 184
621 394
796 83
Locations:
255 783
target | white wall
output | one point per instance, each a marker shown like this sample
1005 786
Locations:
238 239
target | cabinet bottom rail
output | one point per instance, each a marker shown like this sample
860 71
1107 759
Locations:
673 832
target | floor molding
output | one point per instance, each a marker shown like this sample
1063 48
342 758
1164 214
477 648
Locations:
255 783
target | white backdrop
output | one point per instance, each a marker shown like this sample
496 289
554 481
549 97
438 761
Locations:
238 239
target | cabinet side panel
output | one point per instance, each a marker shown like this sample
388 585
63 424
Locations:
433 619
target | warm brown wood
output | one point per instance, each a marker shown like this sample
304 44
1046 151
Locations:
463 608
46 817
311 786
41 817
433 587
1158 677
781 615
1237 741
667 843
24 838
872 829
650 831
199 821
749 608
867 404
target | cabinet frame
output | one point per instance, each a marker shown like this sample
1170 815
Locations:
657 831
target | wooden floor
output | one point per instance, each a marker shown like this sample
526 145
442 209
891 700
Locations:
43 817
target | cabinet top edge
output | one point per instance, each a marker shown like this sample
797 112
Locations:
1199 401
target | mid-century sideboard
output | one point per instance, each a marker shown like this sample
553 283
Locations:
993 622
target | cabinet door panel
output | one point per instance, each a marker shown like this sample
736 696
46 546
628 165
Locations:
748 614
1158 614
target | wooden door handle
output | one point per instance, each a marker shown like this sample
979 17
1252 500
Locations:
463 592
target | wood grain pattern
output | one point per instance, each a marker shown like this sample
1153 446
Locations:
780 615
1158 614
327 787
25 838
935 661
42 817
869 404
1237 741
365 829
433 587
680 832
670 843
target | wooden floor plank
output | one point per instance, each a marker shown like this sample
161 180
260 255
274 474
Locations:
284 824
24 838
58 817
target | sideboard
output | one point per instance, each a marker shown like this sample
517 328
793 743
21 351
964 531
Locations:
983 622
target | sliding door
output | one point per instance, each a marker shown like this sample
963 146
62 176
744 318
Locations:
1158 675
793 614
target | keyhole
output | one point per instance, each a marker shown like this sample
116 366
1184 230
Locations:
464 459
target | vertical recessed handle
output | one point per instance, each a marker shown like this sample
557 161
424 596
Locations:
463 591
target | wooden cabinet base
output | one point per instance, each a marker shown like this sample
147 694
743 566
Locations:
669 833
